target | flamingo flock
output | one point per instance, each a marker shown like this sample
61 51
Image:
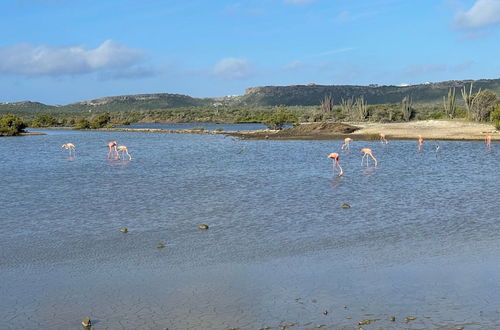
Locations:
114 150
367 153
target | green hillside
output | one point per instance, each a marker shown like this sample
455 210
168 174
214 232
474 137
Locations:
307 95
255 97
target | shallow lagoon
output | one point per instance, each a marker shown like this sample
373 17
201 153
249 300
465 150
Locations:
421 237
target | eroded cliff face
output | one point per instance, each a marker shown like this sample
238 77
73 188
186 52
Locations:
312 94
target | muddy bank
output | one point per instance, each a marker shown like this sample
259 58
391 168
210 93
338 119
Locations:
428 129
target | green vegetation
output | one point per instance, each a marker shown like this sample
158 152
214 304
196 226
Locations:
484 101
406 108
11 125
314 103
495 117
450 107
279 118
43 120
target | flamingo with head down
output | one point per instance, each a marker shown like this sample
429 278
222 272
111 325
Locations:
70 147
420 143
383 140
368 152
124 150
487 139
112 148
345 145
336 164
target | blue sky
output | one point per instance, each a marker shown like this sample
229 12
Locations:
63 51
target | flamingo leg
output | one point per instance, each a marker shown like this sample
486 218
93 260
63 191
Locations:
340 169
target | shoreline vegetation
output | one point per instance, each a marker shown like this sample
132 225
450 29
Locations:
323 112
367 131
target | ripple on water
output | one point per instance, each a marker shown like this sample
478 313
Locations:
278 232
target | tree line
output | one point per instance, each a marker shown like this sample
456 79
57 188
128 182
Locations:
481 105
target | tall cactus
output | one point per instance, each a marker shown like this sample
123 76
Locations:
406 108
362 108
469 99
450 107
347 106
327 104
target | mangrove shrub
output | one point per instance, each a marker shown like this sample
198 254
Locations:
11 125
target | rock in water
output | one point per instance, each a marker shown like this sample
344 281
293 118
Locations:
160 245
124 230
86 323
203 226
346 206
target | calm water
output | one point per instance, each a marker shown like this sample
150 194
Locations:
421 238
207 126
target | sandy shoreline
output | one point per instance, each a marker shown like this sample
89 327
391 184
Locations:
428 129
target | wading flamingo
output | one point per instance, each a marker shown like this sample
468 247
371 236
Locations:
368 152
336 164
420 142
124 151
382 138
112 147
487 139
70 147
345 145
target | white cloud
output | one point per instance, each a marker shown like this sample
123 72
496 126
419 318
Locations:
335 51
483 13
233 68
26 59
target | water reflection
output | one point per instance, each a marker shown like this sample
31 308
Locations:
336 180
118 162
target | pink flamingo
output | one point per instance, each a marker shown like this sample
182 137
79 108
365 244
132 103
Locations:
368 152
345 145
420 143
70 147
383 140
336 164
112 147
124 151
487 139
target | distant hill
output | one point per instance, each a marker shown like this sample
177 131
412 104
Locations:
141 102
297 95
313 94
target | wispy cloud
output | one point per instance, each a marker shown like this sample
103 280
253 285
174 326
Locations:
30 60
482 14
422 69
295 65
233 68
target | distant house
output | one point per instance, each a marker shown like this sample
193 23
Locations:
404 85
